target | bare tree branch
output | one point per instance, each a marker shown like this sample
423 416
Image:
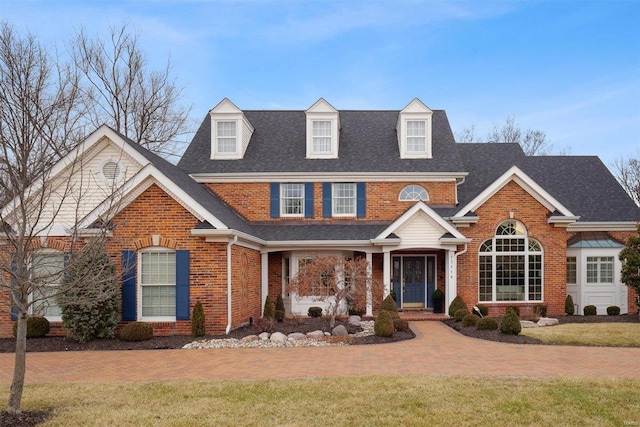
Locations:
627 171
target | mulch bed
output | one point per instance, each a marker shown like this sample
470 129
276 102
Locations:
24 419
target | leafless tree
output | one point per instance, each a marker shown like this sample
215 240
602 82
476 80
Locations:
122 92
338 281
627 171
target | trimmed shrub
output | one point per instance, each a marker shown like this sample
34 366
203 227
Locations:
389 304
315 312
568 305
487 324
460 313
400 324
510 324
383 326
515 309
456 305
266 324
279 312
197 320
267 312
136 331
590 310
484 309
613 310
37 327
540 310
470 320
355 311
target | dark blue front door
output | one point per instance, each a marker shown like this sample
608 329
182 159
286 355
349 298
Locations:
413 277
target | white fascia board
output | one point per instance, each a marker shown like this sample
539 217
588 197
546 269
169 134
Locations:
603 226
455 240
464 220
562 221
386 242
523 180
204 178
157 177
421 206
223 235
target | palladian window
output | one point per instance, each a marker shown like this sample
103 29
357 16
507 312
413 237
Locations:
510 266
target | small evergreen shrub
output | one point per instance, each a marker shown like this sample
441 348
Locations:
266 325
460 313
515 309
613 310
197 320
484 309
456 305
37 327
389 304
568 306
279 312
136 331
590 310
540 310
400 324
315 312
510 324
470 320
267 312
383 326
487 324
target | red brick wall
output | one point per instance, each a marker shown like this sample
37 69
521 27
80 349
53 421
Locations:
513 199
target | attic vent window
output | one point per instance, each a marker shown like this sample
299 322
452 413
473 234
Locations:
111 171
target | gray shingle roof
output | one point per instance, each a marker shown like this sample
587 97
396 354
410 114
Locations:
319 231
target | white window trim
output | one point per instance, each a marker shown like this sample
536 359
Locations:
599 264
217 154
282 211
139 286
54 285
333 152
411 189
333 200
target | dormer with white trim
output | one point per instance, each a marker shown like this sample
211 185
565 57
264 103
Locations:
230 131
323 131
414 131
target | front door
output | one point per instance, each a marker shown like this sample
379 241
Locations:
413 281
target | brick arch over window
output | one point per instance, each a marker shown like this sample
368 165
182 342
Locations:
510 266
160 241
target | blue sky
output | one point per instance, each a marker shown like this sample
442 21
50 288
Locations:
568 68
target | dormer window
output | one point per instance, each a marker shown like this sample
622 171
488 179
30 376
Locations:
230 131
323 126
414 131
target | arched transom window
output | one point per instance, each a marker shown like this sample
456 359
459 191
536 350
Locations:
413 193
510 265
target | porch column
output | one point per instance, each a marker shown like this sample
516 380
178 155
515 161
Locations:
264 273
451 278
386 272
369 296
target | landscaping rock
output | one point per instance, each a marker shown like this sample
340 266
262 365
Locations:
297 336
316 335
264 336
278 337
547 321
339 331
355 320
250 338
528 324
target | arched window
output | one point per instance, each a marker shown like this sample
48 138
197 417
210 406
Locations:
510 265
413 193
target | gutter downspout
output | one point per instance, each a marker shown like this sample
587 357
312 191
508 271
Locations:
456 263
229 314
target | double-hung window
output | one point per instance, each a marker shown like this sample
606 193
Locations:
292 200
321 136
344 199
416 136
600 269
158 284
46 273
226 137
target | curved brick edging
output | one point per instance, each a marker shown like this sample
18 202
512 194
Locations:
436 350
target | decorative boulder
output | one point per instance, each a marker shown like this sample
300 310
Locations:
547 321
264 336
296 336
528 324
316 335
278 337
339 331
355 320
250 338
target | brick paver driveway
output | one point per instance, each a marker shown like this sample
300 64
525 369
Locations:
437 350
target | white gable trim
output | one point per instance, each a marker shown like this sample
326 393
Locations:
415 111
516 175
422 207
323 111
226 111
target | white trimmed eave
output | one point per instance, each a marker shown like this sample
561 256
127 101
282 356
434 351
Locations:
146 177
516 175
562 221
212 235
603 226
328 177
421 206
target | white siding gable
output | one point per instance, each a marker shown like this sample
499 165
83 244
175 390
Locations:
420 230
230 131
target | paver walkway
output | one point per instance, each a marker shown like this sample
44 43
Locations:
437 350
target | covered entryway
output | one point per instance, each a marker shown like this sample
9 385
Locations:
414 279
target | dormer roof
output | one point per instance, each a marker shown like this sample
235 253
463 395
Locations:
323 131
231 131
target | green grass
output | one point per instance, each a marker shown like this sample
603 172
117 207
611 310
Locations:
367 401
592 334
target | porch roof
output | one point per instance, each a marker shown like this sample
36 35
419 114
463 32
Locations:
593 240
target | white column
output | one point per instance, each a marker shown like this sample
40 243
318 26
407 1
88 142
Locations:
264 271
386 272
369 296
451 278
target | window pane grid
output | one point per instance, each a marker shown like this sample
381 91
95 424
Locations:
292 199
599 269
344 199
413 193
416 136
158 284
158 301
321 136
226 136
572 271
46 272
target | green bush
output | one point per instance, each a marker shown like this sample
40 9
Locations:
540 310
510 324
487 324
613 310
515 309
267 312
400 324
456 305
37 327
590 310
568 305
383 326
197 321
389 304
89 296
279 312
315 311
470 320
136 331
484 309
460 313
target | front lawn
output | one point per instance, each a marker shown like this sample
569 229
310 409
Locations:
592 334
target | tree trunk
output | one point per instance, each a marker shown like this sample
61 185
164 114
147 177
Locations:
17 385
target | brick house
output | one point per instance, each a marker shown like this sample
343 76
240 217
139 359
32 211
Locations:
258 192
